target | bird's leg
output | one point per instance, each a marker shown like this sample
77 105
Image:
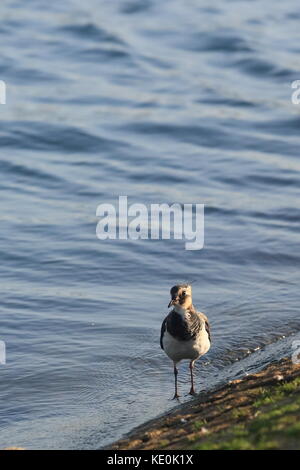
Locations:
192 391
175 374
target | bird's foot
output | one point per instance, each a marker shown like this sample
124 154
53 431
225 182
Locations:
176 396
192 392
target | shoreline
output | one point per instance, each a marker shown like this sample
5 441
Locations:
259 411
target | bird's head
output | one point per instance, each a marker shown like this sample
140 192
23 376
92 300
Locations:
181 295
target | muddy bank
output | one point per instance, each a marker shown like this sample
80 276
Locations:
260 411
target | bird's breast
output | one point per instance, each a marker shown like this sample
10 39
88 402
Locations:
183 327
191 349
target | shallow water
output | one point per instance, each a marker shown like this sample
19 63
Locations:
162 102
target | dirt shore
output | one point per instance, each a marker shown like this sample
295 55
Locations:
260 411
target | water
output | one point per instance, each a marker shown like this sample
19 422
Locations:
164 102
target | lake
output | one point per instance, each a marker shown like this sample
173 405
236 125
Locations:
164 102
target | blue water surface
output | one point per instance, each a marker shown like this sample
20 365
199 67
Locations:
165 102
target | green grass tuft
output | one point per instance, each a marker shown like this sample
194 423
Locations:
276 425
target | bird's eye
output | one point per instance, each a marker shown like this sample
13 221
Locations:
184 292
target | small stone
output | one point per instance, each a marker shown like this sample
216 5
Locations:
279 377
203 430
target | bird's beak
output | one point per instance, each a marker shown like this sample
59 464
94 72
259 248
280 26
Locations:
173 302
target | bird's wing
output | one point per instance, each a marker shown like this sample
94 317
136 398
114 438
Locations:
207 325
162 332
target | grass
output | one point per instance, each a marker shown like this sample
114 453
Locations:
271 421
199 424
238 413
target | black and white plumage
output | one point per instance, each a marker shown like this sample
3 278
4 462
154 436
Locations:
185 333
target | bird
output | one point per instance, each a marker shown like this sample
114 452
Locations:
185 333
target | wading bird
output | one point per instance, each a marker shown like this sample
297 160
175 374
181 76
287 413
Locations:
185 333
